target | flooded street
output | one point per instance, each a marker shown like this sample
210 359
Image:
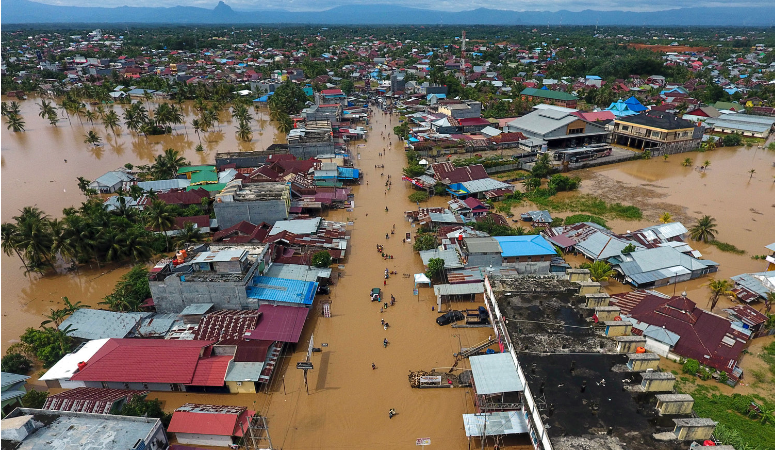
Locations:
348 401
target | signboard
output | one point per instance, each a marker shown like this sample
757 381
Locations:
304 365
416 292
430 380
423 441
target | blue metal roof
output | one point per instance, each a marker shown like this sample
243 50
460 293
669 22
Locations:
282 290
347 173
532 245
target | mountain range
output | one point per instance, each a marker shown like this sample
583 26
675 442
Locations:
28 12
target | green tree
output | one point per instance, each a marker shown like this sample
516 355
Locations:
347 86
158 217
419 196
92 138
139 406
111 121
687 162
704 230
691 366
717 289
130 291
424 241
666 217
244 132
629 248
531 183
34 399
599 271
435 268
321 259
189 234
16 363
15 123
732 140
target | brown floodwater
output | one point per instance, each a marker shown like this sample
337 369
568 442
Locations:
34 172
348 402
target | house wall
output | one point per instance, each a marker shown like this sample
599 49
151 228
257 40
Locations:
657 347
628 346
659 385
244 387
618 330
232 213
68 384
173 295
307 150
203 439
534 267
675 407
694 433
643 365
159 387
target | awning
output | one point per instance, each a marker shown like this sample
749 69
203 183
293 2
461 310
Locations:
495 424
421 278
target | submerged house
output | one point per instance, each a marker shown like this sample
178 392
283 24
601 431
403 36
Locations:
660 266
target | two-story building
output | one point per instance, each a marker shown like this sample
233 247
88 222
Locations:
661 131
557 128
558 98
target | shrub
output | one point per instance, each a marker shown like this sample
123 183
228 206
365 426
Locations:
578 218
419 196
34 399
16 363
562 183
691 366
321 259
424 241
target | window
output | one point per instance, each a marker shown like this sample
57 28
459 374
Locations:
656 134
575 130
625 128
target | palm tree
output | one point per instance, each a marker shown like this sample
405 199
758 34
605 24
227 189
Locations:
14 108
666 217
704 230
197 124
92 138
189 234
58 315
706 164
15 122
34 238
531 183
9 235
665 156
158 217
177 117
752 171
90 116
45 109
717 289
687 162
600 271
244 132
111 120
53 118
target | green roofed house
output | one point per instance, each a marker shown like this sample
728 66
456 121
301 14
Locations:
200 175
558 98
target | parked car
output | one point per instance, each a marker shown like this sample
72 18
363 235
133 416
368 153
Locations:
449 317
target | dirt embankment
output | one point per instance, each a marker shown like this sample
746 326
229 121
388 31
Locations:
668 48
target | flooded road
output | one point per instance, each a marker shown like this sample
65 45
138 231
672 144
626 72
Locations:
34 172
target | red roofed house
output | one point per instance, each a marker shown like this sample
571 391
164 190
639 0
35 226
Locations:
676 325
243 233
212 425
329 96
155 365
90 400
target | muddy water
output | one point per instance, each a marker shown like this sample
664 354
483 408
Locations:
34 172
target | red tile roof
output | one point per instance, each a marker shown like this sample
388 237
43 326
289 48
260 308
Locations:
473 121
280 323
706 337
211 371
199 221
192 197
88 400
447 171
210 420
143 361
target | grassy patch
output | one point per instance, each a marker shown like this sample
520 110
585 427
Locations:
738 425
511 174
729 248
577 218
589 204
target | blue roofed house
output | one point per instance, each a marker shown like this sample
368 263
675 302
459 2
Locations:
621 109
282 291
634 104
528 254
660 266
13 390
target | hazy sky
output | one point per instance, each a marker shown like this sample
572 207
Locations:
446 5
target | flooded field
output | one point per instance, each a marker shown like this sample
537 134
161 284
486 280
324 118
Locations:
40 167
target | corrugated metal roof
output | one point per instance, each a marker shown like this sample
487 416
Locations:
196 309
282 290
68 365
755 282
92 324
770 247
9 379
495 373
299 226
495 423
144 361
164 185
214 420
88 400
211 371
458 289
485 184
450 257
157 325
483 245
279 323
297 272
531 245
12 394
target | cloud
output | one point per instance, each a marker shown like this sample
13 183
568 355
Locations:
443 5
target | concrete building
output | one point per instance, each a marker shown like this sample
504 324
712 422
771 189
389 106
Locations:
460 109
34 429
528 254
211 425
557 128
254 203
657 131
217 275
744 124
313 139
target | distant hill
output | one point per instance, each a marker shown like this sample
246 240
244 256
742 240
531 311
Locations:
27 12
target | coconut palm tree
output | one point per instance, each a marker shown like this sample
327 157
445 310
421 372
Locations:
244 132
111 121
706 164
189 234
34 239
92 138
45 109
751 172
9 240
158 217
666 217
15 122
704 230
90 116
53 118
768 300
197 124
687 162
717 289
599 270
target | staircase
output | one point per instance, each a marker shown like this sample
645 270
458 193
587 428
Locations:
271 361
